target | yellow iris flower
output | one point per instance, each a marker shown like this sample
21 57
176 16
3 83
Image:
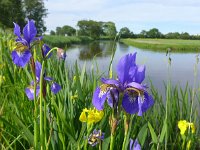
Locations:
91 115
183 125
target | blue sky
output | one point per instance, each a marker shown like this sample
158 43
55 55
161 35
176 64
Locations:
166 15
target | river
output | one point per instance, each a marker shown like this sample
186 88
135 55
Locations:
180 70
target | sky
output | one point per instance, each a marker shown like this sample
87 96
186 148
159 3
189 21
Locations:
137 15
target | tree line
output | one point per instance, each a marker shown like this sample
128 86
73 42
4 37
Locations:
19 11
99 29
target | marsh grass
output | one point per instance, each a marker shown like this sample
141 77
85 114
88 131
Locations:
157 129
64 41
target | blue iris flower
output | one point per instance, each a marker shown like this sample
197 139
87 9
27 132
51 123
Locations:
22 54
55 87
130 76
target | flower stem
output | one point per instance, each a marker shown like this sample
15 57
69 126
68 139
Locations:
41 111
32 65
113 124
126 127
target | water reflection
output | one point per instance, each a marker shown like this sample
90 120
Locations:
96 49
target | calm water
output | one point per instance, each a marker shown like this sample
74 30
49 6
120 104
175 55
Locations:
158 69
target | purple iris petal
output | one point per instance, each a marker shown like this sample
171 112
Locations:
30 92
30 31
46 49
130 104
110 81
137 86
140 102
95 137
17 31
55 88
140 75
147 102
110 95
48 78
135 145
38 68
21 59
125 68
99 98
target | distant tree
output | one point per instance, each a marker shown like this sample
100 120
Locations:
126 33
185 35
35 9
154 33
143 34
68 30
59 31
109 29
172 35
11 11
89 28
52 32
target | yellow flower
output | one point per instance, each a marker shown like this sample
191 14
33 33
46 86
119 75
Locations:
191 125
2 79
91 115
74 97
183 125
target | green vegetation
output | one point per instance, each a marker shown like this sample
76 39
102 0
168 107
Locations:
156 129
63 41
19 10
163 44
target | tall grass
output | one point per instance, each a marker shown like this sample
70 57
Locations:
156 129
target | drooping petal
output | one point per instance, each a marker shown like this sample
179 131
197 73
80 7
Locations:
110 81
136 145
130 104
140 102
38 68
147 102
99 98
30 92
125 68
17 31
137 86
131 144
113 93
21 59
55 87
46 49
140 74
29 31
48 78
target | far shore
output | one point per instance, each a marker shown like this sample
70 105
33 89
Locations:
176 45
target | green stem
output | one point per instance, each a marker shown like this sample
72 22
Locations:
113 124
45 122
126 127
41 112
36 130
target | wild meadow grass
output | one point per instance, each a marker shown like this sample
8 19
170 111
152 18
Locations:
176 45
64 41
156 129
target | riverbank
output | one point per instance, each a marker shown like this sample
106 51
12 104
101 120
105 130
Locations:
175 45
63 41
